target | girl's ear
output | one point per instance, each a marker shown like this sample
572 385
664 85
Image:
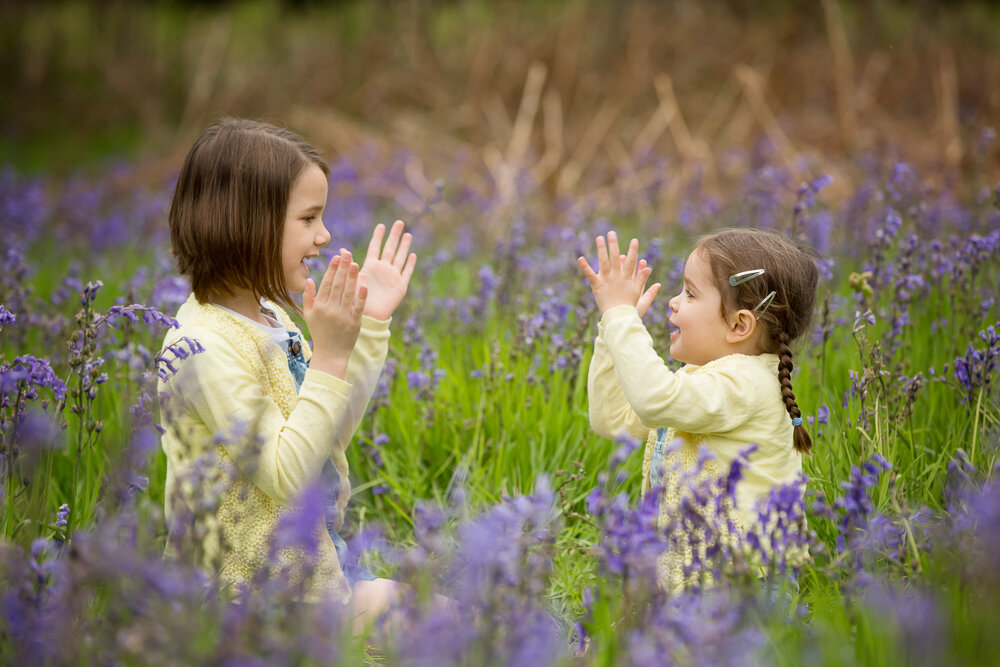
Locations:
742 326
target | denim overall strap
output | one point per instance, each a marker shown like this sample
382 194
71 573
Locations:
329 477
297 363
657 460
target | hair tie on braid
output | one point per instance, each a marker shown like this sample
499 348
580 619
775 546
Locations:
797 421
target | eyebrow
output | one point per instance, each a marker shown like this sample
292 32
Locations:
312 209
690 284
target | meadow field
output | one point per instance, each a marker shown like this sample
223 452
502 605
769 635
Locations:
507 136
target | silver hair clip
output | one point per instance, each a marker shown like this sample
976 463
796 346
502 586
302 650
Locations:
743 276
764 304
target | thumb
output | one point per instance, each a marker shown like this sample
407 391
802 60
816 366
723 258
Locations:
646 300
309 295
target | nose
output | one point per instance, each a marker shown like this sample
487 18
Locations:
674 301
322 235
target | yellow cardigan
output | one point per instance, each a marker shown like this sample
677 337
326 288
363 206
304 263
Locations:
726 405
240 440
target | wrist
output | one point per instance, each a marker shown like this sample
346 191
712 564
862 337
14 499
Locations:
610 304
376 313
334 364
618 311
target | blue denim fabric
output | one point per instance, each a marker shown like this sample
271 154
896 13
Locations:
782 591
297 363
656 461
329 476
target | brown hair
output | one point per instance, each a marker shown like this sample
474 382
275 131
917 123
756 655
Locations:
789 271
228 212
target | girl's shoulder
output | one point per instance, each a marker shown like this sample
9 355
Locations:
753 364
209 325
751 372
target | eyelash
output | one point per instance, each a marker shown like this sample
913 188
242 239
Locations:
309 218
688 292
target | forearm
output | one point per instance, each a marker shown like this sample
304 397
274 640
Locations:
610 412
700 401
363 372
295 449
641 376
219 394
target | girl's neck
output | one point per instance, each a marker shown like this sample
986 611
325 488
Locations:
242 302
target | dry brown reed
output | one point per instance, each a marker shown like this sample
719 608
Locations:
572 93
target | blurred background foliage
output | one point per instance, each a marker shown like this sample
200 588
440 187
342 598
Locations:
85 82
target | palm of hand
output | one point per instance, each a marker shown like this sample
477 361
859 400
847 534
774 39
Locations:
387 271
386 288
615 290
621 279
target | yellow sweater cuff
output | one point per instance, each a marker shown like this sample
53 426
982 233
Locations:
330 382
371 324
617 313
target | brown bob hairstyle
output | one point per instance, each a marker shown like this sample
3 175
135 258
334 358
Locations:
227 216
790 272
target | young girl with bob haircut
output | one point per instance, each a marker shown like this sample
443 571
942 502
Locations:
747 294
246 215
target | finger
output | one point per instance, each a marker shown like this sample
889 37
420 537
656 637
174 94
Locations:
602 256
350 284
391 243
309 295
376 243
588 271
324 286
359 301
632 257
403 254
646 300
411 263
643 275
613 251
642 264
339 277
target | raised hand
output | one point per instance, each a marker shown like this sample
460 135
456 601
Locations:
619 281
333 314
387 270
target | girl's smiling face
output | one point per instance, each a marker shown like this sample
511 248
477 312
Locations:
701 330
304 232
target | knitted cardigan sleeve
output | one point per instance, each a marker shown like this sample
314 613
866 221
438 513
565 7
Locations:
610 412
363 371
219 392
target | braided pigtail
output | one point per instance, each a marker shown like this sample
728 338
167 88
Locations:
801 439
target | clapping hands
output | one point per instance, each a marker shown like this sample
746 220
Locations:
620 279
333 310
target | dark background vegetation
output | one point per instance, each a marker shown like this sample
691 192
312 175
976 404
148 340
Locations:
88 82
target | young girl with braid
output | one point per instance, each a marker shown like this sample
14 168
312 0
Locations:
747 294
